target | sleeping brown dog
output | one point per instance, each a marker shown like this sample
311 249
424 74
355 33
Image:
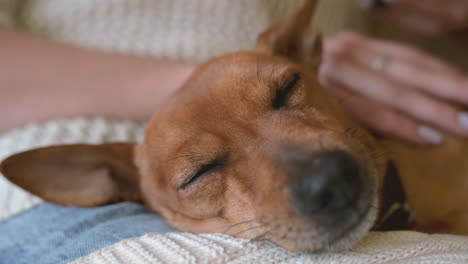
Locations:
250 146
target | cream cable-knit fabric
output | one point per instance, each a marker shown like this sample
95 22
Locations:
190 30
14 200
377 247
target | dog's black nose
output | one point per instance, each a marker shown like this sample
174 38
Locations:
325 183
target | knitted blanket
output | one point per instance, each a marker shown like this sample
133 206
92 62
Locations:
377 247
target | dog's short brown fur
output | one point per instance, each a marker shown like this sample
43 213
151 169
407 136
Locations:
239 148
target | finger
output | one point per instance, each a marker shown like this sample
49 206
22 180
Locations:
403 99
410 67
382 119
343 42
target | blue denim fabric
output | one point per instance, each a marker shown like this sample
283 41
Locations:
54 234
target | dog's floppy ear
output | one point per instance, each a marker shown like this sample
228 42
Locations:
78 175
294 38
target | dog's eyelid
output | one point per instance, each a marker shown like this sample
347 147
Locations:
285 90
203 170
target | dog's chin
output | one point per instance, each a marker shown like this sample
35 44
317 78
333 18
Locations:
357 231
334 240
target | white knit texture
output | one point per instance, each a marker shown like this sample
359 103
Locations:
376 247
14 200
190 30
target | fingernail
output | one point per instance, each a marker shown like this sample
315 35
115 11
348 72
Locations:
463 119
431 135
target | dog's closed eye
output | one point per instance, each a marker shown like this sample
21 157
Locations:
203 170
285 91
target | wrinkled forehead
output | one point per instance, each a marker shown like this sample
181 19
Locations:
225 76
224 93
231 83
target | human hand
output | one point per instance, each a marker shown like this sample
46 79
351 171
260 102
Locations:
429 17
395 89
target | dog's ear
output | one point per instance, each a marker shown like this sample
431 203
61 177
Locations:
78 175
294 38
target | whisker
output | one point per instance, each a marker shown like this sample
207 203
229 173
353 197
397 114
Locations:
240 223
266 233
282 238
260 236
248 229
247 242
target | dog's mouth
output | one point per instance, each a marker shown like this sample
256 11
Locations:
324 233
356 229
333 204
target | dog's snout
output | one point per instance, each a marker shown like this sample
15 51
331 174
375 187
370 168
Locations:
327 182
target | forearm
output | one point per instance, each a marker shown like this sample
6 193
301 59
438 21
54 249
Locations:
42 80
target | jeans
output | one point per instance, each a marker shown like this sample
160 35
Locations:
55 234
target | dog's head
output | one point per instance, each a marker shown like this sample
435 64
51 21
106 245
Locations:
251 146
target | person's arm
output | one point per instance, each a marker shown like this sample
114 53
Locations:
41 80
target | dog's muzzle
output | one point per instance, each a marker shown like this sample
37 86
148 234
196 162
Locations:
326 183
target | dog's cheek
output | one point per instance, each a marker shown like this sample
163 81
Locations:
204 199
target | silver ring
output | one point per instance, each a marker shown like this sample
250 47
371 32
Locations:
380 64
